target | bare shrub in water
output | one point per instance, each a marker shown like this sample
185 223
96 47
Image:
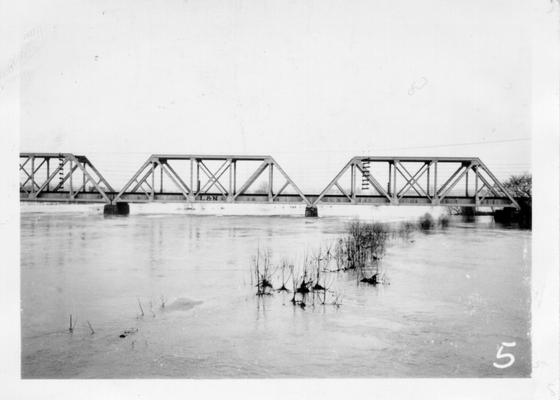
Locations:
283 268
263 273
340 254
301 284
72 326
365 243
359 249
310 286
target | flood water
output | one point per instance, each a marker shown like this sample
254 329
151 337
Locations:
455 296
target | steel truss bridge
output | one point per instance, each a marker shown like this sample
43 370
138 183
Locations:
446 181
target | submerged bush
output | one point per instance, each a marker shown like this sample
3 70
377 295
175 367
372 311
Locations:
426 222
443 221
364 244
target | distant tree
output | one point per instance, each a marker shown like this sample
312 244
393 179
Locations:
519 185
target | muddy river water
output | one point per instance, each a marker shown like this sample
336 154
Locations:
455 295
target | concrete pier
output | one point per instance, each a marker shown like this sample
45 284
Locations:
311 212
120 208
468 214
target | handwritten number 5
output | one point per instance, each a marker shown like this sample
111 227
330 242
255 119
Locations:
501 355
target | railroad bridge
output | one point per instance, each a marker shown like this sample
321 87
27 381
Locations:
191 178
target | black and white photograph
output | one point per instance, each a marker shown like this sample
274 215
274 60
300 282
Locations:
293 198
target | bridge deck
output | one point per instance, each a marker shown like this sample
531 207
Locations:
90 197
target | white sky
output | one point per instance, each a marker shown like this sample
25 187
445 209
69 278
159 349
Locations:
311 83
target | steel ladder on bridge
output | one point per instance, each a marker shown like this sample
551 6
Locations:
61 170
365 175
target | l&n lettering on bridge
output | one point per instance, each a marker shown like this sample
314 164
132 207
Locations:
189 178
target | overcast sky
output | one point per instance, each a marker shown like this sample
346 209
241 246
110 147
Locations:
310 82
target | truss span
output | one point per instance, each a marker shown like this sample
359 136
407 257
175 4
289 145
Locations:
447 181
211 178
61 177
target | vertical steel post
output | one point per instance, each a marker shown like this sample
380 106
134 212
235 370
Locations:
389 179
32 174
476 201
192 172
395 181
48 171
353 182
197 175
435 180
160 177
84 178
234 177
428 178
270 180
467 182
71 174
230 190
153 173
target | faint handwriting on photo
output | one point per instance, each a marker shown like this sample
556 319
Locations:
417 85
